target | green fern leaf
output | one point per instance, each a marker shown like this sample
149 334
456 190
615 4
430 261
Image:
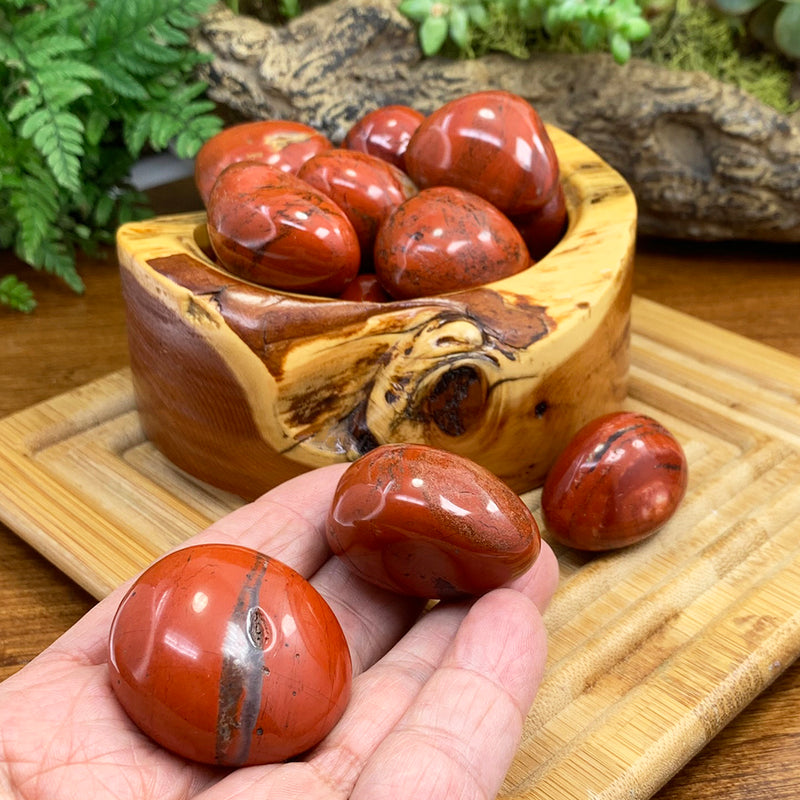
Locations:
190 140
119 80
34 200
23 107
170 35
183 95
58 136
97 123
56 258
162 128
10 54
86 87
136 130
65 92
34 26
153 51
52 47
16 294
136 66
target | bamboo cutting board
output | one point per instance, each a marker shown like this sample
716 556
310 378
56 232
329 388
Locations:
652 649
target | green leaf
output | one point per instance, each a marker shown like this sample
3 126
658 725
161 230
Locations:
52 48
162 128
97 123
620 48
155 52
86 86
168 34
191 140
122 82
58 136
56 258
478 15
16 294
736 7
635 29
787 30
136 132
103 210
459 29
418 10
64 92
23 107
432 35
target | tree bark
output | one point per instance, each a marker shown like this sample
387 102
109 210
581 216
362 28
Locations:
705 160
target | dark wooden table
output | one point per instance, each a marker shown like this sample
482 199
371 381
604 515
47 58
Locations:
752 289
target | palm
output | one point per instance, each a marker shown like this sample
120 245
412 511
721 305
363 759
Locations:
436 711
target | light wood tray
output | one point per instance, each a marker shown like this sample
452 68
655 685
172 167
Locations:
652 649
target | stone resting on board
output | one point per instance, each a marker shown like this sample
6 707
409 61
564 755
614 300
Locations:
705 160
244 386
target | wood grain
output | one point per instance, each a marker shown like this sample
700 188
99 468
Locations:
751 289
652 649
244 386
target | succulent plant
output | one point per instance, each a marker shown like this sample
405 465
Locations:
773 23
594 24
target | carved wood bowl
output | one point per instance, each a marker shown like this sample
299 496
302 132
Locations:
244 386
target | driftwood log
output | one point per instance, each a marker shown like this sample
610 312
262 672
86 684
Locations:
705 160
244 386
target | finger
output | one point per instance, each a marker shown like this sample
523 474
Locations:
460 734
372 618
287 523
383 694
380 697
539 582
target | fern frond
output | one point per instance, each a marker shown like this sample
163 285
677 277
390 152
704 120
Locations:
52 47
86 87
57 258
120 80
24 106
154 51
33 197
58 136
16 294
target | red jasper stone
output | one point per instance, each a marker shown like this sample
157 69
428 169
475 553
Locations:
427 523
226 656
366 188
491 143
385 133
443 240
543 229
619 479
282 144
276 230
365 288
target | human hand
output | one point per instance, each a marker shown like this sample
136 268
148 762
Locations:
437 707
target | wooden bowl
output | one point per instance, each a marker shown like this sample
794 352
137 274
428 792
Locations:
244 386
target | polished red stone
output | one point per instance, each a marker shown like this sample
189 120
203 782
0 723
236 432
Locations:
385 133
366 188
282 144
443 240
544 228
225 656
276 230
365 288
491 143
618 480
424 522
